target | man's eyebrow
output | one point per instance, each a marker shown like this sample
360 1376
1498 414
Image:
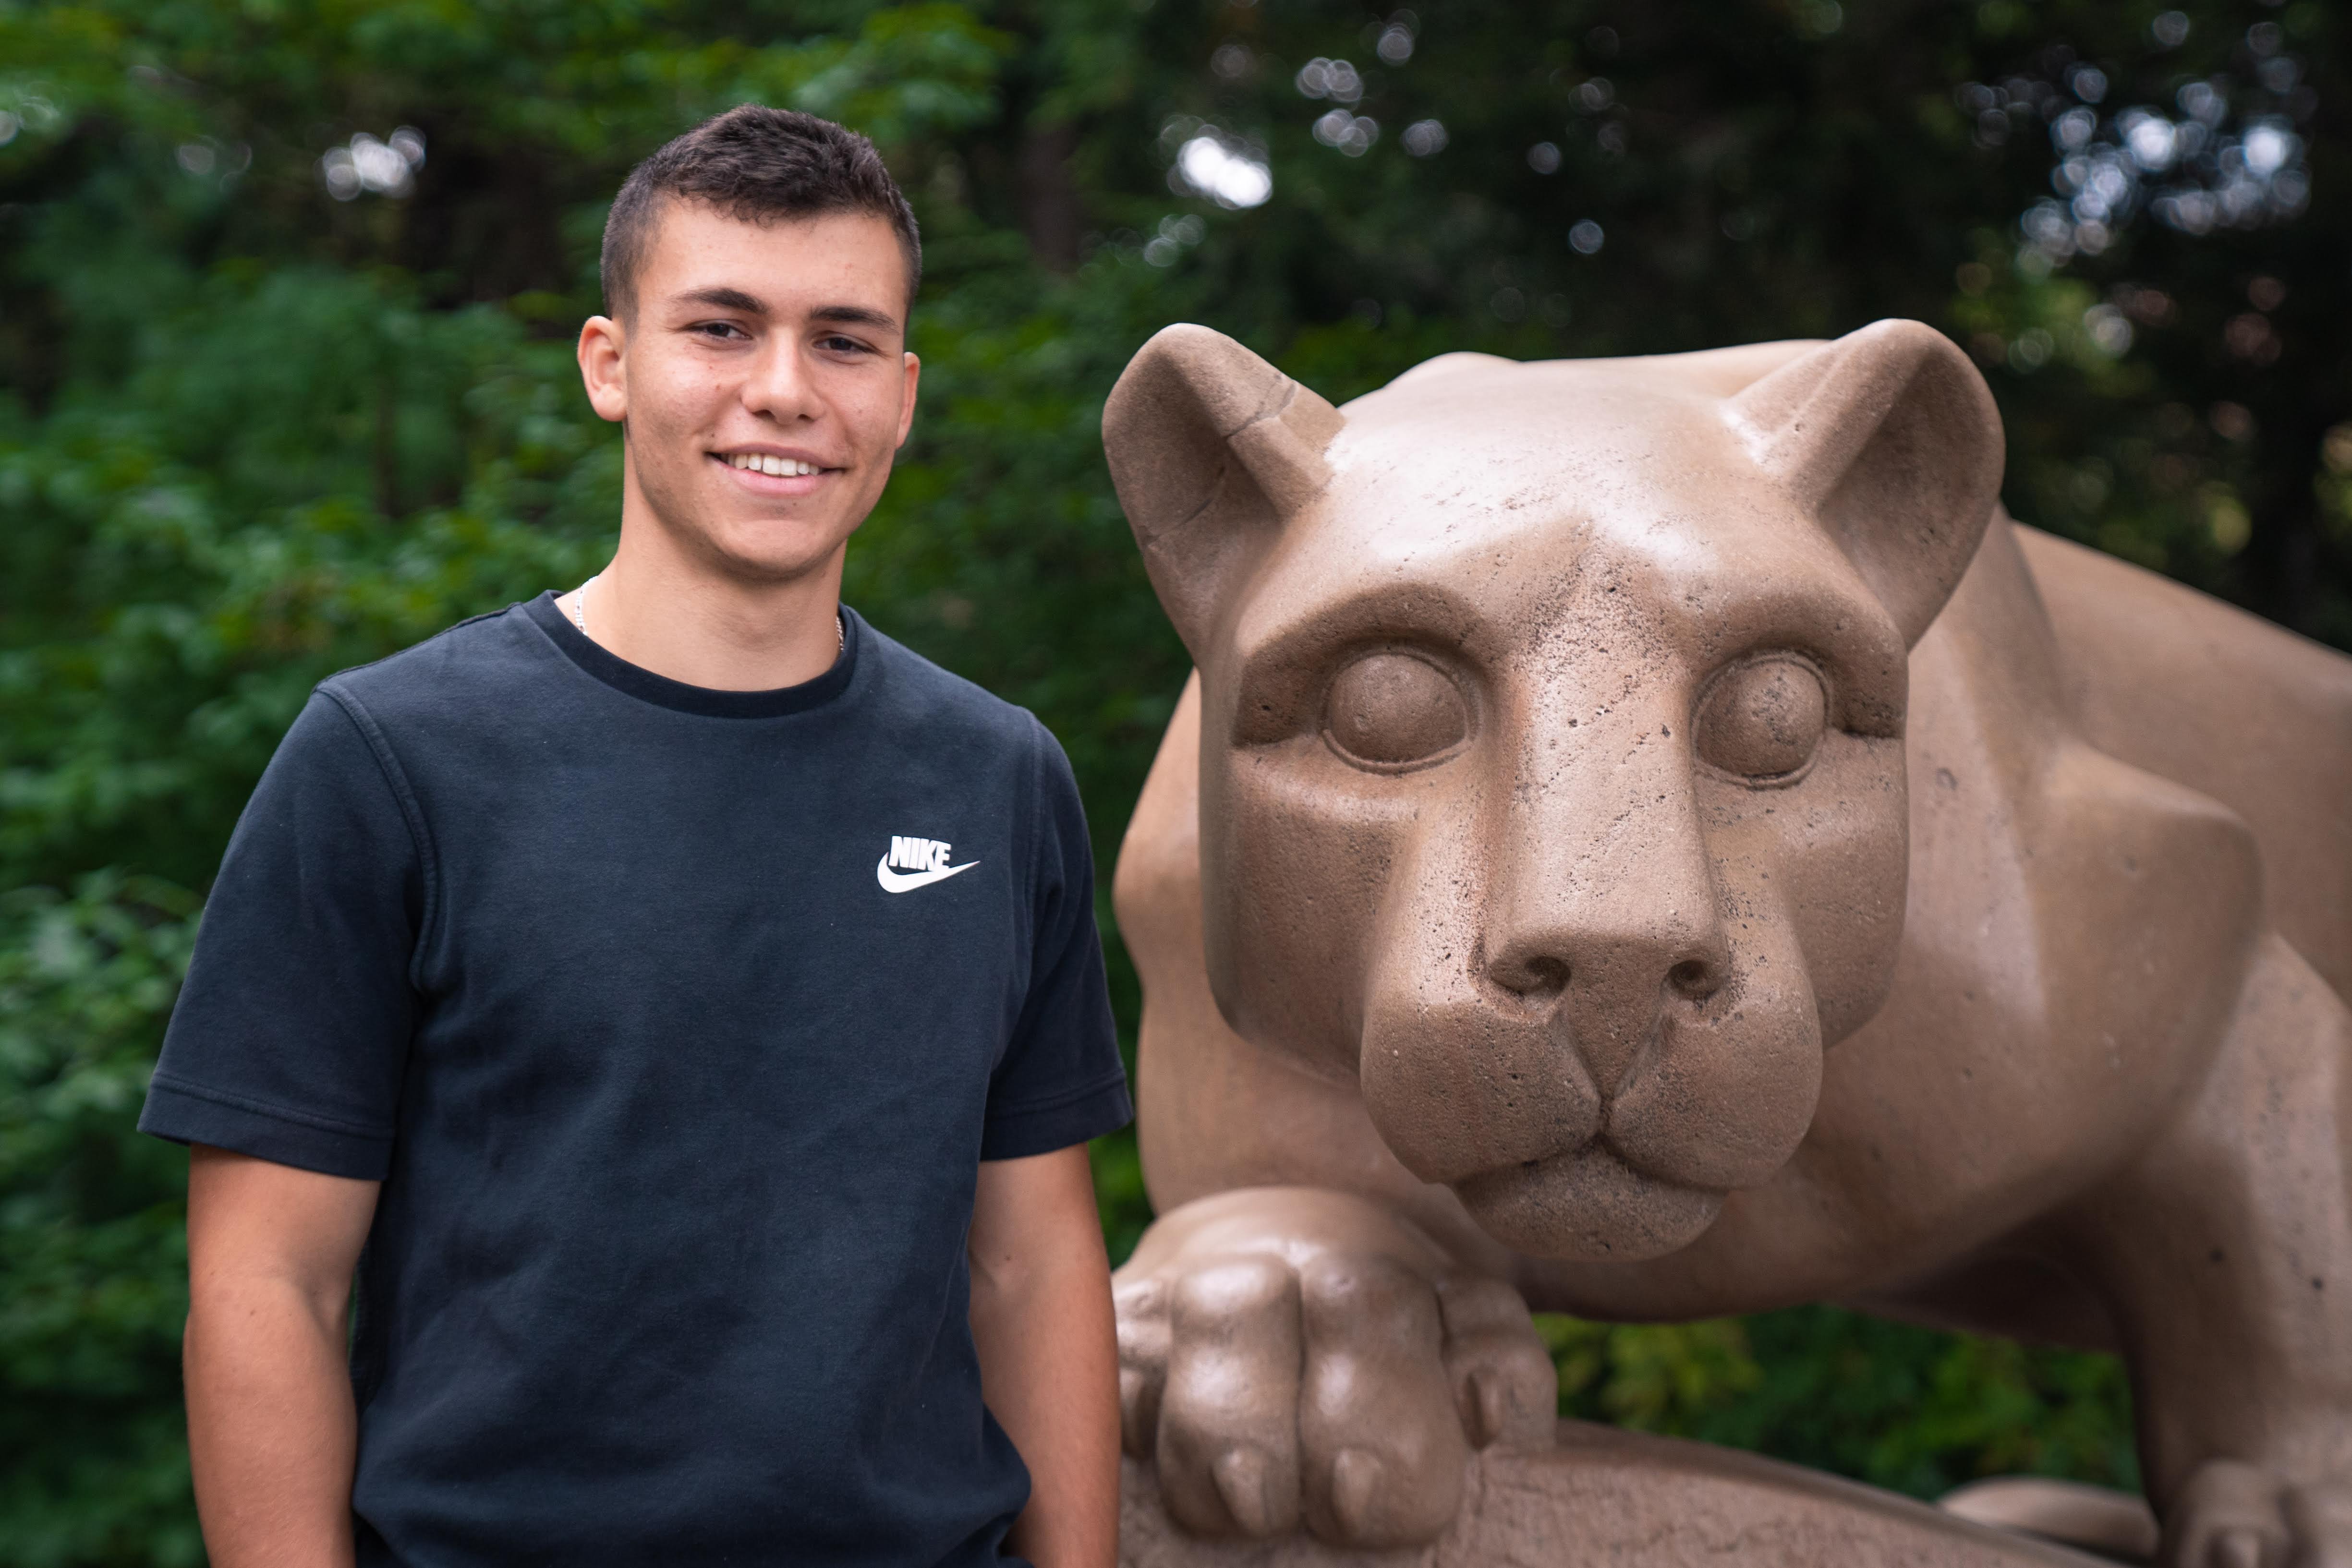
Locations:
726 299
855 316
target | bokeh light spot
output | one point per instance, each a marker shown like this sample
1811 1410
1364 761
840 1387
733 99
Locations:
1424 138
1229 173
366 166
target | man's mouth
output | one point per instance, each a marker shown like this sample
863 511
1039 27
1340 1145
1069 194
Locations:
770 463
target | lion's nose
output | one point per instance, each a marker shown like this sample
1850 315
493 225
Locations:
1611 932
1688 962
1601 896
1699 976
1613 987
1527 974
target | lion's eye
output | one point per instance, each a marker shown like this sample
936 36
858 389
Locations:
1387 710
1762 719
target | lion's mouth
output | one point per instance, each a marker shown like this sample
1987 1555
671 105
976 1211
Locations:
1587 1204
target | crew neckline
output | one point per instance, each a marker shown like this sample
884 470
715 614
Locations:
632 680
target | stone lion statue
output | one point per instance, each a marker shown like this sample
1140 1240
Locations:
1650 839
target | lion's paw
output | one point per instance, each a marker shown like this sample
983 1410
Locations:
2234 1515
1337 1388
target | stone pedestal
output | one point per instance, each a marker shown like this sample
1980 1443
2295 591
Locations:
1611 1498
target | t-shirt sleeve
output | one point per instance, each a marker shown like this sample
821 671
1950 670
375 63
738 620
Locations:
291 1033
1060 1081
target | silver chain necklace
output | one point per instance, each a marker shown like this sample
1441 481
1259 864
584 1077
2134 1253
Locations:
580 617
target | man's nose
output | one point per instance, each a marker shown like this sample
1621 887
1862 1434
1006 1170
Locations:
1602 898
779 385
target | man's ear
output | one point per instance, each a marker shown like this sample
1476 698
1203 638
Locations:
1890 439
913 369
1212 449
602 371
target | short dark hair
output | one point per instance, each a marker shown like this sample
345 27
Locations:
760 164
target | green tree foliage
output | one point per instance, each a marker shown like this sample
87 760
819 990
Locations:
1899 1407
93 1466
285 387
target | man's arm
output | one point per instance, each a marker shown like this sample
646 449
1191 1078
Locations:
272 1431
1041 1316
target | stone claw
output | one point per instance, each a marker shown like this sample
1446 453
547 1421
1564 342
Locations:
2231 1514
1335 1375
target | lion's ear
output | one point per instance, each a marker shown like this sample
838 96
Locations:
1890 439
1211 449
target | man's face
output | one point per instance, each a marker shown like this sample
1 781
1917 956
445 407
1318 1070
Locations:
763 381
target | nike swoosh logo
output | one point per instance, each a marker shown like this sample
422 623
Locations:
907 881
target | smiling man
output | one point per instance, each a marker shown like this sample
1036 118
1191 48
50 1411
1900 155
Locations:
680 1003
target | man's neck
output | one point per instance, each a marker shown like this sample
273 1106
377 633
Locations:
710 631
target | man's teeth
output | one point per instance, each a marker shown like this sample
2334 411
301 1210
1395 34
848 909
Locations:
760 463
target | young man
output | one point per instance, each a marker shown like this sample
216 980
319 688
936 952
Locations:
680 1002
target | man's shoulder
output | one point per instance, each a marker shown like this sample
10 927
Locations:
483 660
917 693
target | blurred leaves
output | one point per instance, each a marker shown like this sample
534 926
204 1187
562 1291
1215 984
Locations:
216 564
251 434
92 1253
1902 1407
1654 1378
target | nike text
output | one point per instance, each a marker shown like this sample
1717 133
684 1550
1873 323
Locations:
914 863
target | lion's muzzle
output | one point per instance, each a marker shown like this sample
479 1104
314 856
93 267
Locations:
1602 1101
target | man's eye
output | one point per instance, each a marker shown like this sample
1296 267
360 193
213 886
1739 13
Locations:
722 330
840 345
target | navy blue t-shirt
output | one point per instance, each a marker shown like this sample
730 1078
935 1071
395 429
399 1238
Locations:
676 1023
